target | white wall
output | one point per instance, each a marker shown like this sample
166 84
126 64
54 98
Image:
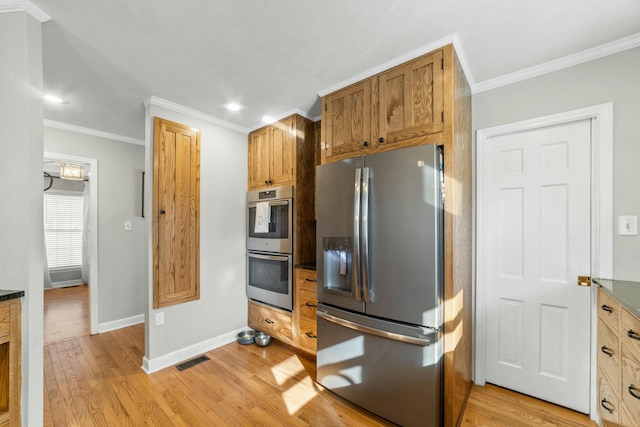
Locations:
610 79
121 254
21 227
194 327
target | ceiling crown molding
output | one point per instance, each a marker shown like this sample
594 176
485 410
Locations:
92 132
559 64
24 6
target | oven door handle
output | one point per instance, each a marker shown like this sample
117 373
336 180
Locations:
269 257
271 203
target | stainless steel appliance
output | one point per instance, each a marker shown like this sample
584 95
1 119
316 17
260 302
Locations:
380 280
270 245
270 278
276 235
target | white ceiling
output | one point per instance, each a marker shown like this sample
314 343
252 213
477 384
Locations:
273 57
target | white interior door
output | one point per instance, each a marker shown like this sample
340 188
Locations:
538 237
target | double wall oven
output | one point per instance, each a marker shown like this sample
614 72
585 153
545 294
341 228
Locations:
270 246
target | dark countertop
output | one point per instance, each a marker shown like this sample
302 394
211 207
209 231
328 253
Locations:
625 291
8 294
307 266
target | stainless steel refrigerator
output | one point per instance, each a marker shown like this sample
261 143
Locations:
380 279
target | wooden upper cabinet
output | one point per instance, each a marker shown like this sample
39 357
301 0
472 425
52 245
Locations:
176 219
346 121
272 154
402 104
411 99
282 152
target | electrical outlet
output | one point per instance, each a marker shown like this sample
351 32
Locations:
628 225
127 225
160 318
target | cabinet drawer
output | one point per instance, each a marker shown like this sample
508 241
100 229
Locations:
609 355
630 331
608 310
307 302
608 403
308 335
272 321
306 279
5 321
630 392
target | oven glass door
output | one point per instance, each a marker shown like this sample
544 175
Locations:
278 236
269 279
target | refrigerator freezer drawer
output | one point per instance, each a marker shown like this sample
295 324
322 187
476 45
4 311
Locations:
397 380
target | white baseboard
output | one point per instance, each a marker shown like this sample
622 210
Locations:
158 363
66 283
120 323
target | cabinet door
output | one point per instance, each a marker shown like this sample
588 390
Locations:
176 205
282 144
347 121
411 99
259 158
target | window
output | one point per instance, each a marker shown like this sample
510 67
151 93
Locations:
63 229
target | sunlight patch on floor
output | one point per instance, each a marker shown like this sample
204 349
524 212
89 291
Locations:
287 369
299 395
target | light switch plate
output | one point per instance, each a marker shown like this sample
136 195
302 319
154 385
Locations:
160 318
127 225
627 225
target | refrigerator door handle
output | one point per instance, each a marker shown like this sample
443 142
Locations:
373 331
356 234
365 235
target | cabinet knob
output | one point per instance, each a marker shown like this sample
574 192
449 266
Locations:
381 140
366 143
162 211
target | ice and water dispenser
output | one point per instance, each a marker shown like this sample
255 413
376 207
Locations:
338 252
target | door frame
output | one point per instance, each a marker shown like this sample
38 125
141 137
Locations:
93 234
601 117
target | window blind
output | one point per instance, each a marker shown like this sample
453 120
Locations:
63 228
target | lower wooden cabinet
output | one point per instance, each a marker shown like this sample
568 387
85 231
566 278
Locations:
304 307
270 320
10 362
618 363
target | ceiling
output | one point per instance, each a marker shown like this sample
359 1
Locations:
273 57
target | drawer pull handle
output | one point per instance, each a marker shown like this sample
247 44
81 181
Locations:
269 321
310 335
633 335
604 403
308 304
607 351
634 391
310 280
607 308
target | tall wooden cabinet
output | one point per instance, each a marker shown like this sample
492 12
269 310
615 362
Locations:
272 151
426 100
176 213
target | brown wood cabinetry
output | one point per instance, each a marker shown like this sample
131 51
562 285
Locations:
426 100
279 150
10 362
272 321
304 309
176 213
618 364
403 104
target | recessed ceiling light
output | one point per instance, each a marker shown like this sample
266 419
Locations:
54 99
232 106
268 120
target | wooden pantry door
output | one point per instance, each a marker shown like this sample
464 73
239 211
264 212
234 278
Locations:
176 219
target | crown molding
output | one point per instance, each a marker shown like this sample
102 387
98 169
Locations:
450 39
159 102
559 64
7 6
92 132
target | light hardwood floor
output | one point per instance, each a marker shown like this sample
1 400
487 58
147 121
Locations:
97 381
66 313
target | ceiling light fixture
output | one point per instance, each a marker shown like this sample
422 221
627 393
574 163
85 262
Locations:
232 106
268 120
54 99
72 172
